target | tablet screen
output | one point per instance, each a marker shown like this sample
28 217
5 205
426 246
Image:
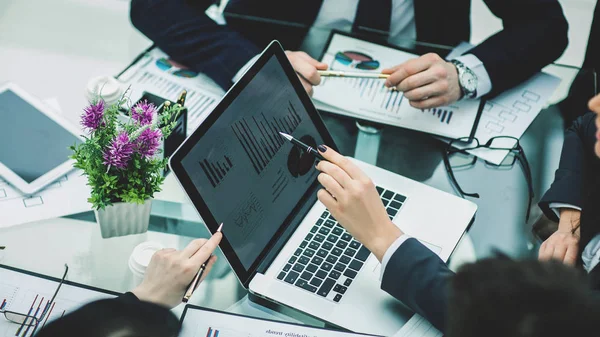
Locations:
32 143
249 176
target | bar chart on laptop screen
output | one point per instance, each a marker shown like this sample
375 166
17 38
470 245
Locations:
216 171
259 136
248 175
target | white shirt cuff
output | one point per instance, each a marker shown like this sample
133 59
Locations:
484 84
556 206
390 252
243 70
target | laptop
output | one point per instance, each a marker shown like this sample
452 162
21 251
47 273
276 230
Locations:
281 242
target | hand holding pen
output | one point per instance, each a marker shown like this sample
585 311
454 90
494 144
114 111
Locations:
196 281
171 272
302 146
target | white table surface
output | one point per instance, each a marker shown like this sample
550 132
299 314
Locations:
53 56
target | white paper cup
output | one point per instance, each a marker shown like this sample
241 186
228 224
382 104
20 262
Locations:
106 87
140 258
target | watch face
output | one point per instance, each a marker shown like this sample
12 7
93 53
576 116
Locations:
469 81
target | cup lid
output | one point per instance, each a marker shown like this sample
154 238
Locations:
106 87
142 254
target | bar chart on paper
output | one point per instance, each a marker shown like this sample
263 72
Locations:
259 135
225 332
146 75
199 103
370 91
198 322
444 115
370 99
30 295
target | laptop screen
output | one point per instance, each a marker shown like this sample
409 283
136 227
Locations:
249 177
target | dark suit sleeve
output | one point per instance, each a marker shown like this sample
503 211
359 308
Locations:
192 38
420 279
569 178
534 35
124 315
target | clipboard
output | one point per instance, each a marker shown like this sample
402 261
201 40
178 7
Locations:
27 292
398 113
250 323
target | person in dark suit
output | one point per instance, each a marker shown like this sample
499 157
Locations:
586 81
498 298
573 196
144 311
534 35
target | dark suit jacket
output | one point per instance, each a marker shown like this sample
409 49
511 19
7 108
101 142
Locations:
420 279
577 182
113 317
577 178
534 34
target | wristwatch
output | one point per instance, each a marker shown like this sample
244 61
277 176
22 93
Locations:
467 80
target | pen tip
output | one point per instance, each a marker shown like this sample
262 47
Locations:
285 135
220 227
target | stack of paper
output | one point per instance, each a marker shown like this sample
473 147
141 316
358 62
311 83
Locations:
511 113
157 74
67 195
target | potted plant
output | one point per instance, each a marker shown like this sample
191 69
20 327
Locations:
120 156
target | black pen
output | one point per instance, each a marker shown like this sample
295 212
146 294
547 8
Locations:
302 146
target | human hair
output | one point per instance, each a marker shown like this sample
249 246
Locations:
115 318
498 297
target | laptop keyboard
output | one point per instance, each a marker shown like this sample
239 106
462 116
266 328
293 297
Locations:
328 259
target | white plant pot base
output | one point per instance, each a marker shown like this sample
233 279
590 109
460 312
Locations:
124 218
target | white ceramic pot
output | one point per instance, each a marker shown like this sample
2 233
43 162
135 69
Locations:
124 218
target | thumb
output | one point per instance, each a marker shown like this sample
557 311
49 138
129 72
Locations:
391 70
322 66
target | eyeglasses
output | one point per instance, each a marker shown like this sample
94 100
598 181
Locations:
356 60
171 67
458 158
33 316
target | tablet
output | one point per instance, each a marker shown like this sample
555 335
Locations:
235 165
34 141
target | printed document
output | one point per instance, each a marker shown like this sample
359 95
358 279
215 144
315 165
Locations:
369 99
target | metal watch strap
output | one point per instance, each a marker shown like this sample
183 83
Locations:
461 69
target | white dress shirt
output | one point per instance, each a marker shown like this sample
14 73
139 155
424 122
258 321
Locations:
340 14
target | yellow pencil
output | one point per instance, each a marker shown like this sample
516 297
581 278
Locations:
332 73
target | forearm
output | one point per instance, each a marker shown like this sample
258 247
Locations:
192 38
382 238
534 35
569 220
420 279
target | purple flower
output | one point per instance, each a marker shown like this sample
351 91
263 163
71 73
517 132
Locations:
92 115
148 142
143 112
119 152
